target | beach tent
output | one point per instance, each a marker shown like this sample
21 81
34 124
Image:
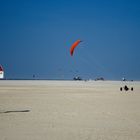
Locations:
1 72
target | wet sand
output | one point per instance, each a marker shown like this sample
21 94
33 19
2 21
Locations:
69 110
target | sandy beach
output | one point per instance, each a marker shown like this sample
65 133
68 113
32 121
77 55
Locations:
69 110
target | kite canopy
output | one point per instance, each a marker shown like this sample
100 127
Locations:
74 45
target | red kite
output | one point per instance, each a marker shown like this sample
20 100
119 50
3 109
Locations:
74 45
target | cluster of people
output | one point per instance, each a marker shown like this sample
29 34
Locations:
126 88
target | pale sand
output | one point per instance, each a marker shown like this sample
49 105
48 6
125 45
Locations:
69 110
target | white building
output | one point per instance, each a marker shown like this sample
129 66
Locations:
1 72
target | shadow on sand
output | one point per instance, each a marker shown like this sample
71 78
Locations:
14 111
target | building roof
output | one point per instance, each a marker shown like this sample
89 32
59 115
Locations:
1 69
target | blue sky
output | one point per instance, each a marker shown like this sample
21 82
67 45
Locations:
35 38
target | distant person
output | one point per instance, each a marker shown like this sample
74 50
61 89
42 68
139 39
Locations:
131 88
126 88
123 79
33 76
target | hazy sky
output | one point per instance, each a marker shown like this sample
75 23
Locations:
36 35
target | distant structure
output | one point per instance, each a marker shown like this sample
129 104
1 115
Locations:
1 72
99 79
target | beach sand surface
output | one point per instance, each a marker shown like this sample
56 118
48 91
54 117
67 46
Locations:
69 110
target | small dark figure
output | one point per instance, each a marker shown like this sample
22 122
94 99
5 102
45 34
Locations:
120 88
131 88
126 88
33 76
